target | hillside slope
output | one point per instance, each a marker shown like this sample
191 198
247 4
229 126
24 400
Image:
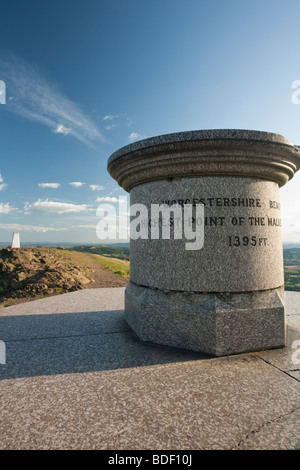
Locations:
31 273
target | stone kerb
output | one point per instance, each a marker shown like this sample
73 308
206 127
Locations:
226 297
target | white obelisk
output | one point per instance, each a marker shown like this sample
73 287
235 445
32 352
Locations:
15 240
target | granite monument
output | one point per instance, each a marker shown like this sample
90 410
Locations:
226 296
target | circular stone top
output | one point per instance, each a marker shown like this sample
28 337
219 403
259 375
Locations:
236 152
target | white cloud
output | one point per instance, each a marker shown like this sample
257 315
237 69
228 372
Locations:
30 228
135 136
96 187
55 207
107 199
49 185
84 227
76 184
41 228
2 184
110 127
5 208
61 129
110 116
36 99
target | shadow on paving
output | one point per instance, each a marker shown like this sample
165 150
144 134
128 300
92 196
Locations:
65 343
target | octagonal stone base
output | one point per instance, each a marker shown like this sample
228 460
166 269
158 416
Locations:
218 324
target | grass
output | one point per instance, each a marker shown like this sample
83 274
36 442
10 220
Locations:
114 265
114 252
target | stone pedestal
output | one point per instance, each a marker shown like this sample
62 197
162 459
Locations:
226 297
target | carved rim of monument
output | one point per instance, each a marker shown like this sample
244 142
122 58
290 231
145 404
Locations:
233 152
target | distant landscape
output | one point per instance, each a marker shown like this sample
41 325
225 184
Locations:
291 258
120 251
35 272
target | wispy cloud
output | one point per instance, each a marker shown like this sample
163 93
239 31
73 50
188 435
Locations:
96 187
2 184
37 99
41 228
49 185
6 208
135 136
76 184
84 227
61 129
110 127
55 207
110 117
30 228
107 199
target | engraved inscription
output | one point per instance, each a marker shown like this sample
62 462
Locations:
245 241
238 221
216 202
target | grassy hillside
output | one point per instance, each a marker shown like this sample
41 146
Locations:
31 273
119 252
114 265
292 269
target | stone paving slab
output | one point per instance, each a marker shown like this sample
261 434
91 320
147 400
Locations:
76 377
93 300
284 358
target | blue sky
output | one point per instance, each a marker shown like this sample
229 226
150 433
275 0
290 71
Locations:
84 78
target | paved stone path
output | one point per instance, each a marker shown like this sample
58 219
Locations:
76 377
